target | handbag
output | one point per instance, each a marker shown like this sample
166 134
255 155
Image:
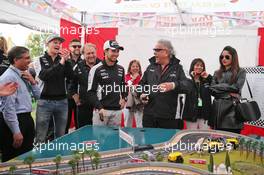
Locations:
247 110
130 100
224 115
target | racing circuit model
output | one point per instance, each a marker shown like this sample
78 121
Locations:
155 151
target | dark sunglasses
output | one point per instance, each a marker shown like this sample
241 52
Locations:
157 50
77 46
114 50
227 57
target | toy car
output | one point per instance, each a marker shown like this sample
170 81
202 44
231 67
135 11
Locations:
175 157
137 160
233 141
214 144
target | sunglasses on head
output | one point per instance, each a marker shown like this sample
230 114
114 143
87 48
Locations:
157 50
76 46
227 57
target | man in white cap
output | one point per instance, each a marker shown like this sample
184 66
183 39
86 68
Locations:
54 69
106 87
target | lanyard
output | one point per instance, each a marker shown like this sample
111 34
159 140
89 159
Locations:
164 69
199 89
29 87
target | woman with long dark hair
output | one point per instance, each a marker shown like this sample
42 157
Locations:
197 109
4 62
134 107
226 87
3 49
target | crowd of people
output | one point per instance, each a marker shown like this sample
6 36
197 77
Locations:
98 91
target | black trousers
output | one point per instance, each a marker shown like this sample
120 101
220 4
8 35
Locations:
149 121
71 108
84 115
27 128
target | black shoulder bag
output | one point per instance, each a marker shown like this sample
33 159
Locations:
247 110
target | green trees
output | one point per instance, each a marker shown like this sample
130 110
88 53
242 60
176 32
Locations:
94 157
82 154
211 163
57 161
90 154
12 169
261 151
144 157
254 147
29 161
241 145
77 158
248 147
35 43
72 163
159 157
227 161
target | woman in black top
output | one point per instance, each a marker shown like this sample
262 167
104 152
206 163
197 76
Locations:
226 87
197 108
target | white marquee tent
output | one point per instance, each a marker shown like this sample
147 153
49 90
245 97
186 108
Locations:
197 28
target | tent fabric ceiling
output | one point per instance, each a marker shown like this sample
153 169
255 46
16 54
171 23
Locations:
166 6
171 13
44 15
38 15
12 13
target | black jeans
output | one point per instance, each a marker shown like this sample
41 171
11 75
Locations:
84 115
150 121
27 128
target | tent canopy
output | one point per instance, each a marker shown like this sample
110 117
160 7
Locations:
166 6
181 21
44 15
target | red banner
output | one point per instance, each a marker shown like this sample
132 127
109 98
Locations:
261 46
98 36
69 30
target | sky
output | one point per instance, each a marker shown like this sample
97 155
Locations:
17 33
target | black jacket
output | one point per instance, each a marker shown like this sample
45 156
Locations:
105 86
162 104
190 112
53 76
72 63
223 110
2 56
79 82
4 63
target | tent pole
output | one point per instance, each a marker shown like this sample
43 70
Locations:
179 11
83 25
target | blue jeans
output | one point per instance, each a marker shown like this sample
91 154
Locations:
58 109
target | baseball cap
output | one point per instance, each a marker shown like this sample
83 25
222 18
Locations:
53 37
112 44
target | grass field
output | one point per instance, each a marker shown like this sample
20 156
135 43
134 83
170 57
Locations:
240 164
